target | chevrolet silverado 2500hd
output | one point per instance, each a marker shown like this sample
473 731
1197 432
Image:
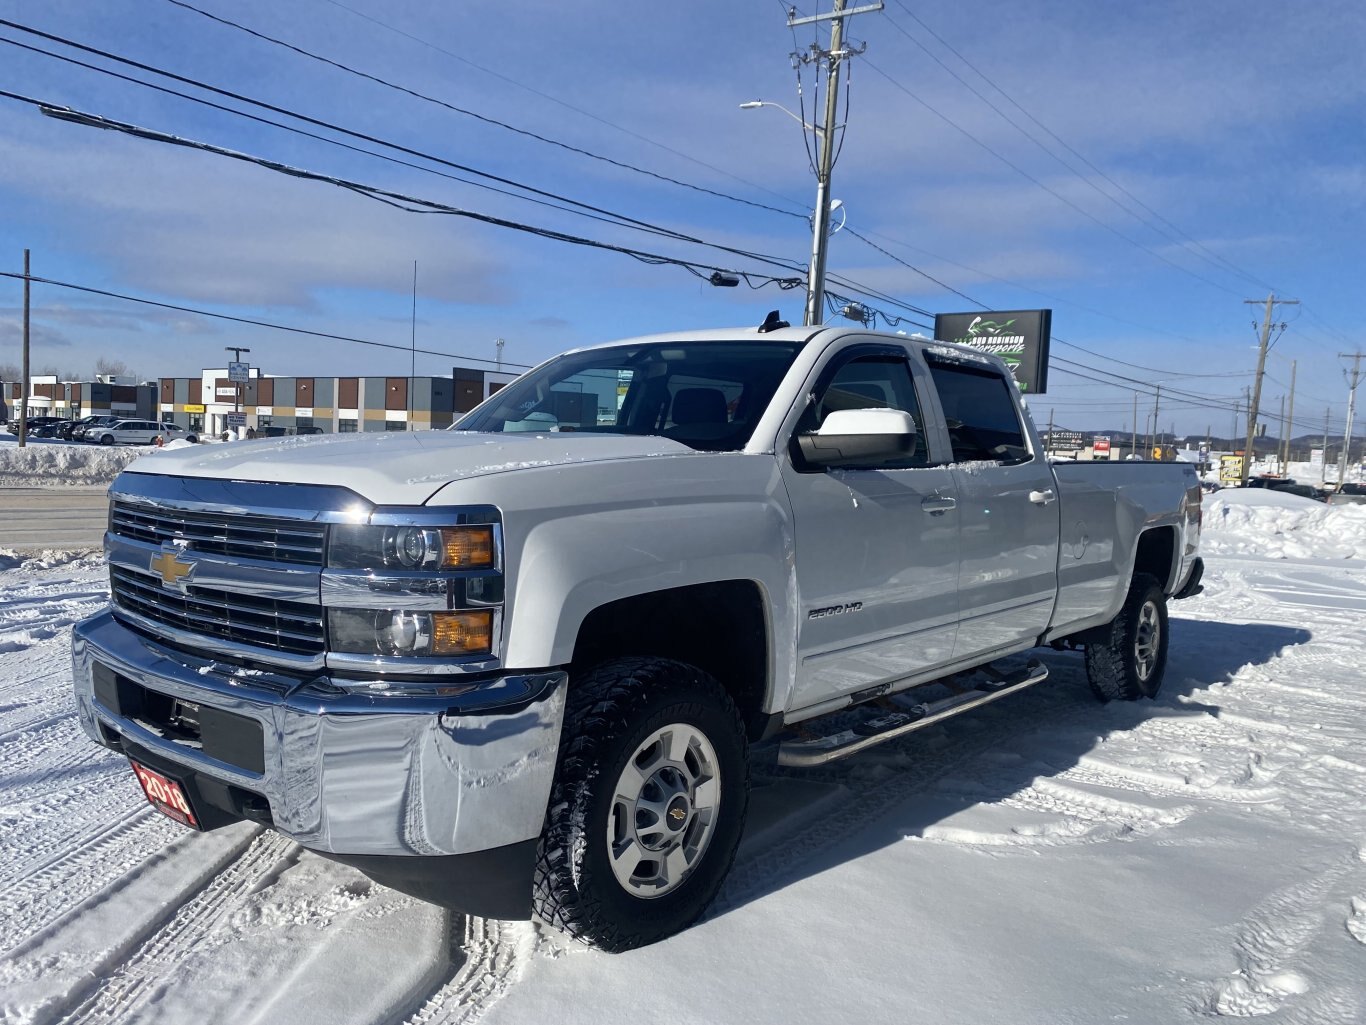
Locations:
518 666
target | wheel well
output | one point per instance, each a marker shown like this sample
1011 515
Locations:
1156 554
719 627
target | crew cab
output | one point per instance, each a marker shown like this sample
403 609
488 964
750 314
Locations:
523 666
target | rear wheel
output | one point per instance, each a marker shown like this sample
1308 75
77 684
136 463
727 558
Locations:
648 803
1129 662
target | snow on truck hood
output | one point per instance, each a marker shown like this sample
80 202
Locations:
394 468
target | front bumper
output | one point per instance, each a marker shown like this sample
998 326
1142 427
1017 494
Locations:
452 768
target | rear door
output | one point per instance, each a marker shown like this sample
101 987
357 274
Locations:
876 548
1007 505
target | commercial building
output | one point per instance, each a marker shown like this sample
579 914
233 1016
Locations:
107 395
328 405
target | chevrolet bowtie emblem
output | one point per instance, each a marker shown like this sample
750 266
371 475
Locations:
173 572
678 814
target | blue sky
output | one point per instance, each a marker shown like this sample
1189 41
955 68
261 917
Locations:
1209 153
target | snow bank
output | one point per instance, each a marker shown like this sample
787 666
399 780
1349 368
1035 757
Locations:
56 464
1256 521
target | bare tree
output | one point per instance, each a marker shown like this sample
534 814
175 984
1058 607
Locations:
111 367
9 372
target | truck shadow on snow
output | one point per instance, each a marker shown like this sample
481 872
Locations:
1012 775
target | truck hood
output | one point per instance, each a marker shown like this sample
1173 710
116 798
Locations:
394 468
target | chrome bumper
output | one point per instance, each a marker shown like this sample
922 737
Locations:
463 767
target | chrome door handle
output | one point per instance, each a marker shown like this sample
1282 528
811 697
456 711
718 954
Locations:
938 503
1043 497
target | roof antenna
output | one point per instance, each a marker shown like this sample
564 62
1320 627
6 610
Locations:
772 323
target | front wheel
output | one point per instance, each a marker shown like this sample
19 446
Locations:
648 803
1129 662
106 439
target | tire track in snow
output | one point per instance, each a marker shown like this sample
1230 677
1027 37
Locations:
1271 946
50 826
144 973
40 897
495 955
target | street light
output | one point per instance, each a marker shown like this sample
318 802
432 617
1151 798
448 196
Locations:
756 104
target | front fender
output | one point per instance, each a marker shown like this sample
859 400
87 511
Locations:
580 536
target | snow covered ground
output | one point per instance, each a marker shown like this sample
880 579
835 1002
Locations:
1044 860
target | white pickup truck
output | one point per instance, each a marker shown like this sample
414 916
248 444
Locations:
521 666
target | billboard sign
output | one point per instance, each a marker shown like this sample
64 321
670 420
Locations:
239 373
235 419
1020 337
1316 458
1101 446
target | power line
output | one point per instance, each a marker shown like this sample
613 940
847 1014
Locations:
330 126
252 321
1051 191
1170 230
408 203
477 116
560 101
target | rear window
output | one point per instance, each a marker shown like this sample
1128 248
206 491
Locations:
980 413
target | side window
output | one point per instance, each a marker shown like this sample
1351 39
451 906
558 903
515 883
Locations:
871 382
980 412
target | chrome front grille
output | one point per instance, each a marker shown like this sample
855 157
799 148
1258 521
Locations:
286 626
271 539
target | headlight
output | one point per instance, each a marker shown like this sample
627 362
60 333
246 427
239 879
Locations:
416 548
407 632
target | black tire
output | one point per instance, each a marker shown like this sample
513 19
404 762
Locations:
612 710
106 439
1129 662
193 439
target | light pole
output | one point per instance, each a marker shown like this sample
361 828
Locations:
236 351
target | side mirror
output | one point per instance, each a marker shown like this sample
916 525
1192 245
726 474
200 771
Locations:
859 437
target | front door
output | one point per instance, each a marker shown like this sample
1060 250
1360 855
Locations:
876 547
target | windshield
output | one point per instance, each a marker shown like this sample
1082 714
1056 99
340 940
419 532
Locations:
707 395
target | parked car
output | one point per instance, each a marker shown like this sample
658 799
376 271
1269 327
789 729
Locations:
69 429
84 429
138 432
34 422
539 646
52 429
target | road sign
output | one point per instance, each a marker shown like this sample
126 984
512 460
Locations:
1101 446
239 373
1230 469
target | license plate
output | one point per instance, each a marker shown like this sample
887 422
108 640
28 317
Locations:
166 795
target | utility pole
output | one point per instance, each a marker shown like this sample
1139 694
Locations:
1133 435
1253 409
498 344
23 382
1290 426
825 138
1152 441
1343 459
1281 447
412 346
1323 463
